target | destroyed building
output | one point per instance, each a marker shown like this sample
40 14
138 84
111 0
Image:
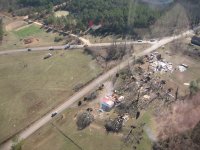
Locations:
106 103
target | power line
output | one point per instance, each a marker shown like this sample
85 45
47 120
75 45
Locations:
61 132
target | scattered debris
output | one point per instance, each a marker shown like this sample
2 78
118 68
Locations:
146 96
84 120
158 64
114 125
182 67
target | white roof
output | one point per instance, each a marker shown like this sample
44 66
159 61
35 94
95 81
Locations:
111 103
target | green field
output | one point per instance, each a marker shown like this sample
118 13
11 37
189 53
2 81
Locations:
31 86
14 38
27 31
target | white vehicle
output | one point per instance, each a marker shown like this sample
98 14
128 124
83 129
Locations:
67 46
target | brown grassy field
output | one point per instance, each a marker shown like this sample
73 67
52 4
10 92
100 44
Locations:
31 86
90 138
93 137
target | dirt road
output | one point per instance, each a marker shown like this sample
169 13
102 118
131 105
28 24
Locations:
45 119
73 46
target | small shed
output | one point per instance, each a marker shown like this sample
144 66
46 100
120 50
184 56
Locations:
106 104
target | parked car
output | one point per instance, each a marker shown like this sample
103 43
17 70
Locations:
67 46
28 49
152 40
51 48
139 40
54 114
85 45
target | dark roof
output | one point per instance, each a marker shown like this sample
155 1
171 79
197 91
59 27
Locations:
195 40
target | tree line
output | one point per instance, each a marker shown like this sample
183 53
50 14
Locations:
1 29
116 16
36 3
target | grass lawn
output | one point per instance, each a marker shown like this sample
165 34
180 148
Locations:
14 39
145 143
27 31
48 138
31 86
92 137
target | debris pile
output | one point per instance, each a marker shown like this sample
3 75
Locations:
182 67
84 120
158 64
114 125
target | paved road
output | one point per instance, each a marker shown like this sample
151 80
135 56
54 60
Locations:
45 119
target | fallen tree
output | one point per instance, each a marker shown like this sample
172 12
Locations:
84 120
114 125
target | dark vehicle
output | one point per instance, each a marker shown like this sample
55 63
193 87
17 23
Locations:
152 40
85 45
28 49
51 48
139 40
53 114
67 46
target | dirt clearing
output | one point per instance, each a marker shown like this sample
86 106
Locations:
14 25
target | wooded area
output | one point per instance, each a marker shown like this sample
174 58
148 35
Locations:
116 17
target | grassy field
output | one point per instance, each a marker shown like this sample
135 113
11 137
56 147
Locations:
27 31
31 86
92 137
15 38
49 138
